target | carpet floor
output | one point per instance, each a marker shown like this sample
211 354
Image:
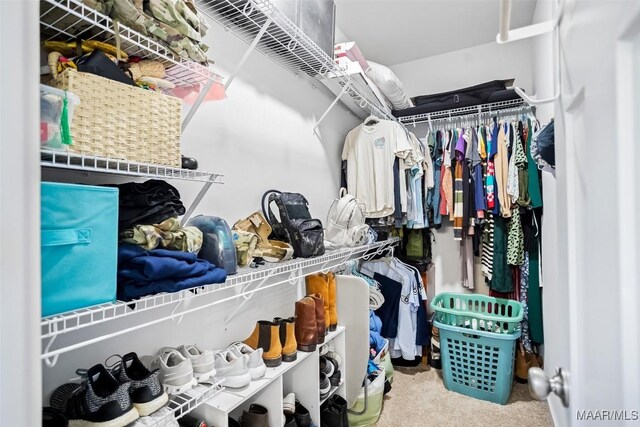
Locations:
418 398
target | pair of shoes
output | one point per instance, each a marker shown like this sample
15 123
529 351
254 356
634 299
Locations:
333 413
295 414
239 364
256 416
311 323
277 340
325 285
182 368
107 399
330 368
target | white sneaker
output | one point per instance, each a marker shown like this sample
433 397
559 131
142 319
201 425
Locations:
234 370
257 368
176 371
202 361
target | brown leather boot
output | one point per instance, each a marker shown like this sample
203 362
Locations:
322 330
288 338
317 284
306 326
333 309
266 336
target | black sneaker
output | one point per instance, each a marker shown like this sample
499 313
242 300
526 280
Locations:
325 386
146 391
100 399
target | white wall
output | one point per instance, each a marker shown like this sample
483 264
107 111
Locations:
467 67
456 70
261 137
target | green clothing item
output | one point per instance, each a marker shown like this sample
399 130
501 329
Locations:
535 297
167 235
515 239
501 280
534 174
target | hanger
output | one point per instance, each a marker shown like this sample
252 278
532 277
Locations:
371 120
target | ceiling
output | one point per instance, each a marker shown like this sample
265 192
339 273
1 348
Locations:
395 31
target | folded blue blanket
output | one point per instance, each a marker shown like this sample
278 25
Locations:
142 272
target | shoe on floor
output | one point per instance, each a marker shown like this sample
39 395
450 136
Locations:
325 386
256 365
147 394
289 404
256 416
234 370
176 371
99 400
201 360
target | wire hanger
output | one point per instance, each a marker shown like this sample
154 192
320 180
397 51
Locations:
371 120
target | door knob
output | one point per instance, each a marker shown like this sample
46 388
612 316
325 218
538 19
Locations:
540 385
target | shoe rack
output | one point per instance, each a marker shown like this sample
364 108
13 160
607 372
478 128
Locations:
300 377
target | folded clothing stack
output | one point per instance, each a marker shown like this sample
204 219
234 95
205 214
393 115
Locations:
142 272
150 202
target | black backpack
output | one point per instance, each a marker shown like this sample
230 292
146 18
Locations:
295 226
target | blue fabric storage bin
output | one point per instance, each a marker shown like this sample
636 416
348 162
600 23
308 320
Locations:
79 246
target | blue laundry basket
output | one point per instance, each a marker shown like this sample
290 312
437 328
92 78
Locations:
79 246
477 363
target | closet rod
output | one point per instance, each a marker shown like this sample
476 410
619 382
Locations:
502 112
473 109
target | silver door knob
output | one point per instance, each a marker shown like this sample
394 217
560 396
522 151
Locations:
540 385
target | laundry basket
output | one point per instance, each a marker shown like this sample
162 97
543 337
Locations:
477 312
477 363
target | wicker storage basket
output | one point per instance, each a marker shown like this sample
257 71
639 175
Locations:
123 122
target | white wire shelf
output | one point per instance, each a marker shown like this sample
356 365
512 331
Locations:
494 107
186 402
87 163
174 306
286 44
69 20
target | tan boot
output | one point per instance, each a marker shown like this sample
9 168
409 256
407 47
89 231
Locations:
266 336
306 326
317 284
288 338
322 330
333 309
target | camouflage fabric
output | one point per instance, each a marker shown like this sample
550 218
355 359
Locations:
269 250
102 6
167 235
245 243
177 15
132 14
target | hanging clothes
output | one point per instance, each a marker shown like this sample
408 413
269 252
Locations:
501 280
533 172
515 239
502 171
487 247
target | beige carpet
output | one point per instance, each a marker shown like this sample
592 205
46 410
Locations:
418 398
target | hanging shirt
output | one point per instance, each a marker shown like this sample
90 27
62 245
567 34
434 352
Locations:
502 172
404 343
370 151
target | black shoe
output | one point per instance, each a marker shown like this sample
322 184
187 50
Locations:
326 366
289 420
325 386
257 416
302 416
331 416
146 391
233 423
340 403
99 399
335 379
53 418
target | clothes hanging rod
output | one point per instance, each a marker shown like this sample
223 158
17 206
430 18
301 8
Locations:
468 111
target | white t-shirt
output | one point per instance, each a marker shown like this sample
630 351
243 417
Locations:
370 151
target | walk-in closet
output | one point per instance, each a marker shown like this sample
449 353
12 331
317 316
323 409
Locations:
327 213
